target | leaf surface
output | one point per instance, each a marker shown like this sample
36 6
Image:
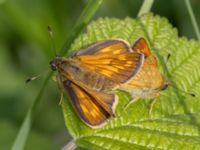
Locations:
174 122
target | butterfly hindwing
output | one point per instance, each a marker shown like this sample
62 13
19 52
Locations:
141 45
149 76
148 81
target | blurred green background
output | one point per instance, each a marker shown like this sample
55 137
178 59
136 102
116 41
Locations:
26 49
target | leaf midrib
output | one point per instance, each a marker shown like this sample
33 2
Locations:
167 134
144 129
117 140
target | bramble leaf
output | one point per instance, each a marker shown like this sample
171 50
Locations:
174 121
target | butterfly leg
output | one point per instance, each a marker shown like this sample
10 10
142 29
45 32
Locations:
60 86
61 99
152 103
131 102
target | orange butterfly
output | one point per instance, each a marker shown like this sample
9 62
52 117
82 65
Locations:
148 82
91 73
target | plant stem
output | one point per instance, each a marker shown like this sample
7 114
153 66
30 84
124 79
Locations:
193 19
82 21
25 128
70 146
146 7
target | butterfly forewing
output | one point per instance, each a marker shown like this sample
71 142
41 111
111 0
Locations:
94 108
114 61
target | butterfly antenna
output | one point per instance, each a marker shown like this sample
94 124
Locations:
32 78
170 84
53 49
35 77
52 40
168 57
187 93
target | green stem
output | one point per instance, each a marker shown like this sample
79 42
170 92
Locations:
146 7
25 128
193 19
70 146
82 21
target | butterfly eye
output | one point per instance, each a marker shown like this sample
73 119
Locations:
67 82
53 65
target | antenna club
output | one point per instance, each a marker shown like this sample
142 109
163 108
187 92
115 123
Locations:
192 94
49 28
28 80
32 78
50 31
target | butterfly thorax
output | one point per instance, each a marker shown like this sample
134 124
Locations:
71 69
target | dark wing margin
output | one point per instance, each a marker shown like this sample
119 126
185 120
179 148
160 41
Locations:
104 46
94 108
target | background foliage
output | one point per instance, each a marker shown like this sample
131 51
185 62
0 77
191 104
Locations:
25 50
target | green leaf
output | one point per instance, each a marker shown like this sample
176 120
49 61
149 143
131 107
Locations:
174 121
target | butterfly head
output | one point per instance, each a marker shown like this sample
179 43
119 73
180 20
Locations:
55 63
67 67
